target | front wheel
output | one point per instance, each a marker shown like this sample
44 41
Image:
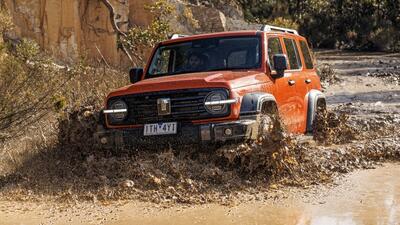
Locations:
270 125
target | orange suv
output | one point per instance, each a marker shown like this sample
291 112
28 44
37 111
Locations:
212 88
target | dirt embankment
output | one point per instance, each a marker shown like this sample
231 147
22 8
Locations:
359 130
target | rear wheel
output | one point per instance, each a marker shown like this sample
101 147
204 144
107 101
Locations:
320 117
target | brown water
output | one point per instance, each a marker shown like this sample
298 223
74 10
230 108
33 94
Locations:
362 198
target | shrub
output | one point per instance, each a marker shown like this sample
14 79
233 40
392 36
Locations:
343 24
140 40
280 22
33 87
28 82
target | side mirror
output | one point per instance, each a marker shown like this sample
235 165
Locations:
135 74
280 65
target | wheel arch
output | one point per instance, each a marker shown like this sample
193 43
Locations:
253 103
313 98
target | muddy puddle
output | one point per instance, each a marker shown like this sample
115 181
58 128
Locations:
364 197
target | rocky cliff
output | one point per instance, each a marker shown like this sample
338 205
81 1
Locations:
70 29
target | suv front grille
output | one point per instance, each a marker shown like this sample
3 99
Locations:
186 105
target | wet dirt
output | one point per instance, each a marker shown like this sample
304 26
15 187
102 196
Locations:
81 172
363 197
360 132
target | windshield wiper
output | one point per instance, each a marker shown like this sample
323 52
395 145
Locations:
231 68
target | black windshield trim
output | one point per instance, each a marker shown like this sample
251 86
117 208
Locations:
203 71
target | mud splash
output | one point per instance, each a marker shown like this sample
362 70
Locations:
76 170
334 128
327 74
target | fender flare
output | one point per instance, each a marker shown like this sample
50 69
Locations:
252 102
312 98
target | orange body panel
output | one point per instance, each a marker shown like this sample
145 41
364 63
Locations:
291 99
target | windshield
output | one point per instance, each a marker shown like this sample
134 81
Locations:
225 53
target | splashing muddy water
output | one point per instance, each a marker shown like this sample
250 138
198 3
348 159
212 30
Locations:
76 171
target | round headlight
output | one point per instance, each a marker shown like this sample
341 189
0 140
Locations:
212 100
119 116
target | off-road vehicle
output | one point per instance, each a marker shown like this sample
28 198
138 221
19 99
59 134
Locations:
213 88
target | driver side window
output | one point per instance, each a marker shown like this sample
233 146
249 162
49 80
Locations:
274 47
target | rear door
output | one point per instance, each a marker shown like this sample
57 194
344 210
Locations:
311 78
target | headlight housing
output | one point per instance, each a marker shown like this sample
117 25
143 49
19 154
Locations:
119 111
213 105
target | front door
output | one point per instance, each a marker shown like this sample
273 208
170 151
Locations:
285 91
296 81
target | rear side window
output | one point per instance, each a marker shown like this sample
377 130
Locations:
293 54
274 47
306 55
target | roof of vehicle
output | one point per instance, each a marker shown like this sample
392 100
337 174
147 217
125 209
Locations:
223 34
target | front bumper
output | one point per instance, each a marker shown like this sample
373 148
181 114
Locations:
188 133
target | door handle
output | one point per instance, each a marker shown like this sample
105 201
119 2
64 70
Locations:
308 81
292 82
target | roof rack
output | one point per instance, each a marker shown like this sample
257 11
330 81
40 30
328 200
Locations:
175 36
269 28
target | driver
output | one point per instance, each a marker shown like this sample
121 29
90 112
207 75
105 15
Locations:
196 62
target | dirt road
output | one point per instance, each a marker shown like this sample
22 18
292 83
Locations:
369 80
364 197
368 87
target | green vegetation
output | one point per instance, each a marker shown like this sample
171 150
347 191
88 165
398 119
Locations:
140 40
344 24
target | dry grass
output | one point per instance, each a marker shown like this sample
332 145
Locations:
35 93
49 99
89 86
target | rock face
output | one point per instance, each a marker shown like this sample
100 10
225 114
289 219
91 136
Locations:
210 19
138 15
229 8
70 29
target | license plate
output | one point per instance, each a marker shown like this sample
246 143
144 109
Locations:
160 129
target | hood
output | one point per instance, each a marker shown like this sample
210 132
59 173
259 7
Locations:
224 79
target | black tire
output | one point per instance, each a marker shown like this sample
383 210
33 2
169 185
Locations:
320 118
270 125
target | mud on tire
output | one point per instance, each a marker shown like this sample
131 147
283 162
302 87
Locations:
270 125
